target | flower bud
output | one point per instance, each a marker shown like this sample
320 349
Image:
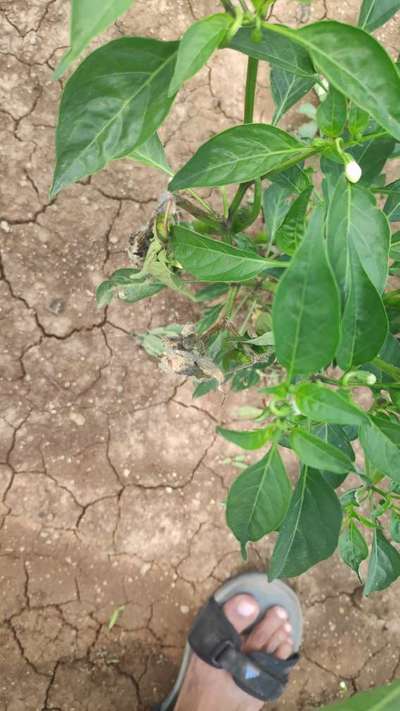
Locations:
353 171
359 377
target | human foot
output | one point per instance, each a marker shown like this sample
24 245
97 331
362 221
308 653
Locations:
209 689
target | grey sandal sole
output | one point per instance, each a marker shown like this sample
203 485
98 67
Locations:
267 595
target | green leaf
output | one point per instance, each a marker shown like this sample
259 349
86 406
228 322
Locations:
209 260
381 451
140 290
250 440
392 204
358 239
296 179
322 404
89 18
385 698
395 527
277 50
375 13
126 276
391 428
317 453
209 317
213 291
239 154
291 231
332 113
372 156
258 500
276 204
204 387
358 120
287 89
114 102
364 322
342 53
384 564
151 153
196 47
354 220
115 616
104 293
352 547
336 436
311 528
305 311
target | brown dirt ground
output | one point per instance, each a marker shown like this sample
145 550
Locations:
111 478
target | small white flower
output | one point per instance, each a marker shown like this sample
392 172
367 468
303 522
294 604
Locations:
353 171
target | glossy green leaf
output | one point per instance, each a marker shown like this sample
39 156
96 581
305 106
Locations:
291 231
258 500
89 18
342 53
152 154
364 322
276 203
279 51
371 157
295 179
113 103
322 404
287 89
385 698
355 220
196 47
358 239
353 548
336 436
392 204
319 454
250 440
390 427
381 451
240 154
358 120
311 528
384 564
305 311
332 113
375 13
209 260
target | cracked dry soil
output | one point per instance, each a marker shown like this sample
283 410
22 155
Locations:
111 478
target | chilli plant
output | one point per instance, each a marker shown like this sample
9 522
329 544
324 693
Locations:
293 268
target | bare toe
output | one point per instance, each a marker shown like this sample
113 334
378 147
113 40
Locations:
284 651
264 631
241 611
280 636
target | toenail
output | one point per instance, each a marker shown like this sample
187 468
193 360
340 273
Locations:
281 613
246 608
287 627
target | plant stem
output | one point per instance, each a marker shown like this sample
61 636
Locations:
250 95
247 318
228 7
230 302
249 101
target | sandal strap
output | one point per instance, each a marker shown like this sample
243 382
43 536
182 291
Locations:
214 639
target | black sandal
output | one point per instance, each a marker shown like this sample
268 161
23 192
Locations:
216 642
